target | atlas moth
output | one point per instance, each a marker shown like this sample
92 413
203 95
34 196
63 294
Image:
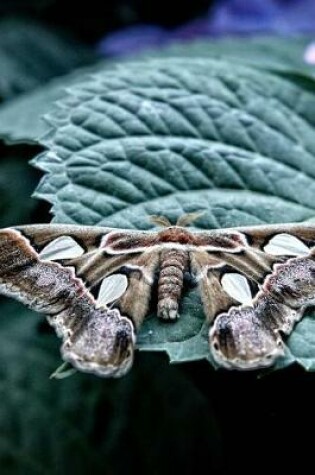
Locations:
95 285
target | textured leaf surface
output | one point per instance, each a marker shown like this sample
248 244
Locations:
31 54
282 55
176 136
22 118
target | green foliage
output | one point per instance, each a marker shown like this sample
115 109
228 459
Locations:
17 182
30 54
16 122
274 53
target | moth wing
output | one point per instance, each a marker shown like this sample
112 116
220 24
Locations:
89 238
98 254
254 250
275 263
257 236
241 339
233 249
289 239
138 269
48 236
207 271
94 340
238 337
262 248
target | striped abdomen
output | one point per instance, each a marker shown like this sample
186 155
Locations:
173 265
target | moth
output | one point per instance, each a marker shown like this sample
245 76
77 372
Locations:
255 283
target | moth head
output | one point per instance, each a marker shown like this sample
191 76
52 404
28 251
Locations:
182 221
103 346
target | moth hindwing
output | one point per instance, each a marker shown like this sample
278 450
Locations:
254 282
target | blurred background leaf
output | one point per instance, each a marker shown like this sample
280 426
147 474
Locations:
267 52
17 181
83 424
31 54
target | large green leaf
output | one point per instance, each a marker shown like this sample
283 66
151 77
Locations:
170 137
31 54
21 119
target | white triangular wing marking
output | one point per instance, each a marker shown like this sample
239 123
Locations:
111 289
237 286
286 245
63 247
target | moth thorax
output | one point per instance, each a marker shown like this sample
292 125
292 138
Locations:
174 263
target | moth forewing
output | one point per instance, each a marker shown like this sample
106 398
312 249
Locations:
95 340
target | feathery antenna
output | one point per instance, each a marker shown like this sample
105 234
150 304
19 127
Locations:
160 221
188 218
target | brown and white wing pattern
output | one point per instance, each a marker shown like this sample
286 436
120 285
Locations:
96 253
95 338
273 280
255 283
130 253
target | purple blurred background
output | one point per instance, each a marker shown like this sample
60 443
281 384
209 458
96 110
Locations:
224 17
